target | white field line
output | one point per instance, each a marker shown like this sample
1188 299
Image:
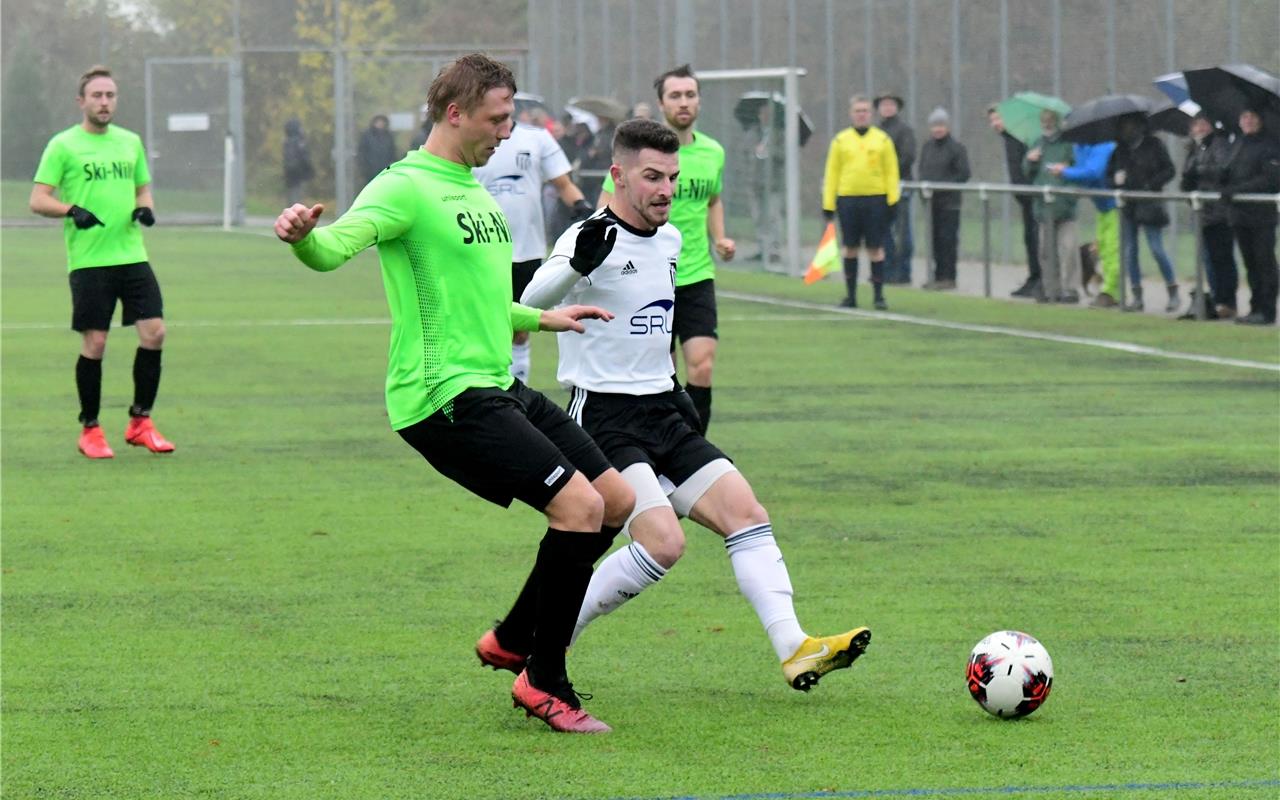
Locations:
1106 344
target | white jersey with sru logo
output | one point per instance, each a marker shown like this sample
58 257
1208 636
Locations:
631 354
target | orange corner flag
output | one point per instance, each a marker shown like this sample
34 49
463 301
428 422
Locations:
827 257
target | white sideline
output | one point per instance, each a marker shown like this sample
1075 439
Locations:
1107 344
827 314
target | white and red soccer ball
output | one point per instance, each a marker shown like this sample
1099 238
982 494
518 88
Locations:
1010 674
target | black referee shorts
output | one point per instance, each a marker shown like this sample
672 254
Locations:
863 220
521 274
659 430
695 311
506 444
95 290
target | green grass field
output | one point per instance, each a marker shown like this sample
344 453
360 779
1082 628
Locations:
286 607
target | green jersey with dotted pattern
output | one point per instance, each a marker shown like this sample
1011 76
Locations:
446 265
701 171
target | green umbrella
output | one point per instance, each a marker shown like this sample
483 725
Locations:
1021 114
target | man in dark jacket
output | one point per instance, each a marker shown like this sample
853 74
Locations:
1255 167
944 159
1207 158
1141 163
1014 152
377 148
899 245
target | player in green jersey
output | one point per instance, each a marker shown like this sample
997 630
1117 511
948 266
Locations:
445 250
696 211
95 175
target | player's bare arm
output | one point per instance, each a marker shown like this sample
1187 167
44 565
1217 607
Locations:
295 222
725 247
45 202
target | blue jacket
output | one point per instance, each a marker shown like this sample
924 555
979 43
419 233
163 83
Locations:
1090 170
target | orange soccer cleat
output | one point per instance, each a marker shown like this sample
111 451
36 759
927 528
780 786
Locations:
561 710
142 433
493 654
93 444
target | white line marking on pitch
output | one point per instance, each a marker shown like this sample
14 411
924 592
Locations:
304 323
1107 344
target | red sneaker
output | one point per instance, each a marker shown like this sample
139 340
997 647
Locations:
495 655
93 444
142 433
561 711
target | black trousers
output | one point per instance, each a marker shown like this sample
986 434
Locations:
1030 237
1220 263
946 241
1258 250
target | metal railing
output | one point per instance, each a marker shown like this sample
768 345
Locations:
1047 193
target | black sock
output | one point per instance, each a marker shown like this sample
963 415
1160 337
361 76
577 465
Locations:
851 277
146 381
89 387
701 397
877 278
564 570
516 631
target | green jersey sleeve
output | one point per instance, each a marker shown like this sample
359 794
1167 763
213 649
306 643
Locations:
51 164
379 214
524 318
608 184
141 175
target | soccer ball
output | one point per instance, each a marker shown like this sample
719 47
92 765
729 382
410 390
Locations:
1010 674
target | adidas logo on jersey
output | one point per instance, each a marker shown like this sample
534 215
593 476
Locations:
629 269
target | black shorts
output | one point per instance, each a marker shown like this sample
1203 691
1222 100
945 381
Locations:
695 311
521 274
658 429
863 220
95 290
505 445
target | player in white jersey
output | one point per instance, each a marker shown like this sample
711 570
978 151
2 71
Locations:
625 395
514 176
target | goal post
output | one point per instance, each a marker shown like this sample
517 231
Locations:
755 115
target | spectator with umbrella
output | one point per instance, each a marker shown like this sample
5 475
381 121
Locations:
1141 163
1094 127
1018 134
1255 168
1208 153
1059 258
1247 99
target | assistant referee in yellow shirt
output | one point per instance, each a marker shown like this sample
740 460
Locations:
861 186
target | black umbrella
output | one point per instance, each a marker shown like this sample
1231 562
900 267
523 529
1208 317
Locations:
1227 90
1170 118
1099 119
747 112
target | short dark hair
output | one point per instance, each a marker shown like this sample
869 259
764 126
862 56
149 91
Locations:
96 71
635 135
682 71
465 82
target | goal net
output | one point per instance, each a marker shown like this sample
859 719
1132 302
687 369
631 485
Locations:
755 115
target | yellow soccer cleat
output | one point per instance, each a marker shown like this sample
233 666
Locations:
817 657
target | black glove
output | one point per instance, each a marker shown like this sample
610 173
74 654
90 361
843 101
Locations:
144 215
84 218
595 242
828 216
580 210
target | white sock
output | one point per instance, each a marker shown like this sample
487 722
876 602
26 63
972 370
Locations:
620 577
520 361
763 579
